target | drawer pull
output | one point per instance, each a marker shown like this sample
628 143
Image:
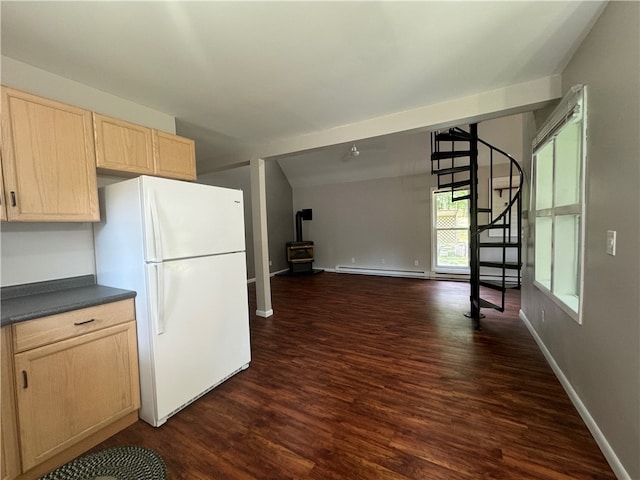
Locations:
25 380
84 322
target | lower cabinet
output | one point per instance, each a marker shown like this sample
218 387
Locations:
78 390
9 457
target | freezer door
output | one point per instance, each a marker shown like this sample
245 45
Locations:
199 326
184 219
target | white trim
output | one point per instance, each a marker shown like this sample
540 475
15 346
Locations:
264 313
271 274
573 107
597 434
557 299
565 111
434 240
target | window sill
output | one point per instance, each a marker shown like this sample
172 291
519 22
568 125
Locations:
452 271
565 302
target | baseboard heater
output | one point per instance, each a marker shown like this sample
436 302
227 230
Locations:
381 272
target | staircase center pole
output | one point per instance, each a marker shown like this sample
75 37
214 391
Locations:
474 240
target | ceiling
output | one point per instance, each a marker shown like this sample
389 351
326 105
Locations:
237 75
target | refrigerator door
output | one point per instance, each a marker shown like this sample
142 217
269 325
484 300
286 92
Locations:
183 219
199 326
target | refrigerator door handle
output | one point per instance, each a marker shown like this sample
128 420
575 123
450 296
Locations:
156 231
159 306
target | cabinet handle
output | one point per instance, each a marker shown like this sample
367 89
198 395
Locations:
84 322
13 199
25 380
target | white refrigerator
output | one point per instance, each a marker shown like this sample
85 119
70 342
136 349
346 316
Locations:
181 247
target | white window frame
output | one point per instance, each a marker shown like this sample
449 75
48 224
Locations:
571 110
434 240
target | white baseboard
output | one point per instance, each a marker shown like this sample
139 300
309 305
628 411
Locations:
264 313
452 277
599 437
379 272
271 274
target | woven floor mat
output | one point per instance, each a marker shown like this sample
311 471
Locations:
119 463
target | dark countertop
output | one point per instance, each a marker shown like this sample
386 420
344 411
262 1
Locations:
34 300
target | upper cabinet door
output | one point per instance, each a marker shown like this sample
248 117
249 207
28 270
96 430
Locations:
174 156
122 146
48 160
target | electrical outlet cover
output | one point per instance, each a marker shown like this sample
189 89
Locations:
611 242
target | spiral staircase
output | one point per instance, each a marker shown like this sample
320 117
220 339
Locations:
495 259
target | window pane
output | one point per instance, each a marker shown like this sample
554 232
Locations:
451 248
568 152
544 177
566 259
451 225
447 219
543 251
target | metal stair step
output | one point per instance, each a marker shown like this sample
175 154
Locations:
488 304
454 185
450 154
449 171
496 226
463 197
497 285
484 210
498 245
507 265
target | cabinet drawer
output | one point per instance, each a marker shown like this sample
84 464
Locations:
46 330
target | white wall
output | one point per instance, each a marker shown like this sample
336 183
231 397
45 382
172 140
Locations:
600 359
37 251
34 252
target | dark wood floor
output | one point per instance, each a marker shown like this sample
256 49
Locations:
358 377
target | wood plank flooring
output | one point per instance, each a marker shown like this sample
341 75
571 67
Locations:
359 377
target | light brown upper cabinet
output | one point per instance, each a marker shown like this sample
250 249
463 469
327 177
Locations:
174 156
122 147
48 160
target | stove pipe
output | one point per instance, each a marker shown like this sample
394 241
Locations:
306 214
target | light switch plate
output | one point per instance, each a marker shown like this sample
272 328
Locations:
611 242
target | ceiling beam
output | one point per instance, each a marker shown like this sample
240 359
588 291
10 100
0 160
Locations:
518 98
473 108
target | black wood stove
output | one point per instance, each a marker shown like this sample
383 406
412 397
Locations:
300 253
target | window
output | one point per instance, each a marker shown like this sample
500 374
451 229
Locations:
450 232
559 164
